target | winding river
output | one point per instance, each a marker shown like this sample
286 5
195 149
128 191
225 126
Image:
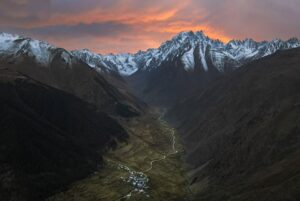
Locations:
165 156
143 172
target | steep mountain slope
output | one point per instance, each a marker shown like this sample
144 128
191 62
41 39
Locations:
61 69
171 82
190 61
162 76
122 64
187 62
48 138
242 133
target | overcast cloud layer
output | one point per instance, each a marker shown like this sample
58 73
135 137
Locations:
129 25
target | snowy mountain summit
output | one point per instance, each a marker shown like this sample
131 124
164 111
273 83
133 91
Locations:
15 48
186 49
190 48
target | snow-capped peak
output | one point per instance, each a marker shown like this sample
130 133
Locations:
187 48
15 48
14 44
5 37
122 63
7 41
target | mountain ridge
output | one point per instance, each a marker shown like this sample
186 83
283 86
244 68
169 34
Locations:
183 44
58 68
191 58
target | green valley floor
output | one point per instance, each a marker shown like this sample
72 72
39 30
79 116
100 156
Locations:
148 166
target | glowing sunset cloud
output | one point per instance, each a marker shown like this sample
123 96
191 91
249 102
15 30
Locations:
108 26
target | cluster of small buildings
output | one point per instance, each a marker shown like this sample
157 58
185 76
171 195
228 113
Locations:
136 179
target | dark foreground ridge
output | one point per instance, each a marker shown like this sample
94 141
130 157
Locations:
48 138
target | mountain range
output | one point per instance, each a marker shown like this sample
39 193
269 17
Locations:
190 58
234 107
59 68
189 48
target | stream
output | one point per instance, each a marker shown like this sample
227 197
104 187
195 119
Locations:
139 179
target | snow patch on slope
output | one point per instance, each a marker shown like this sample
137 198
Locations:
40 50
188 60
203 59
15 48
7 41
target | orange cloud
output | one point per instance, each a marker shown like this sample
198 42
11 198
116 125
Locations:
144 24
149 25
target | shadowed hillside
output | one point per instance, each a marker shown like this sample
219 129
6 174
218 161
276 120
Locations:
48 138
60 69
242 134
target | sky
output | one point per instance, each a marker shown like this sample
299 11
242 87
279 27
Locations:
115 26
